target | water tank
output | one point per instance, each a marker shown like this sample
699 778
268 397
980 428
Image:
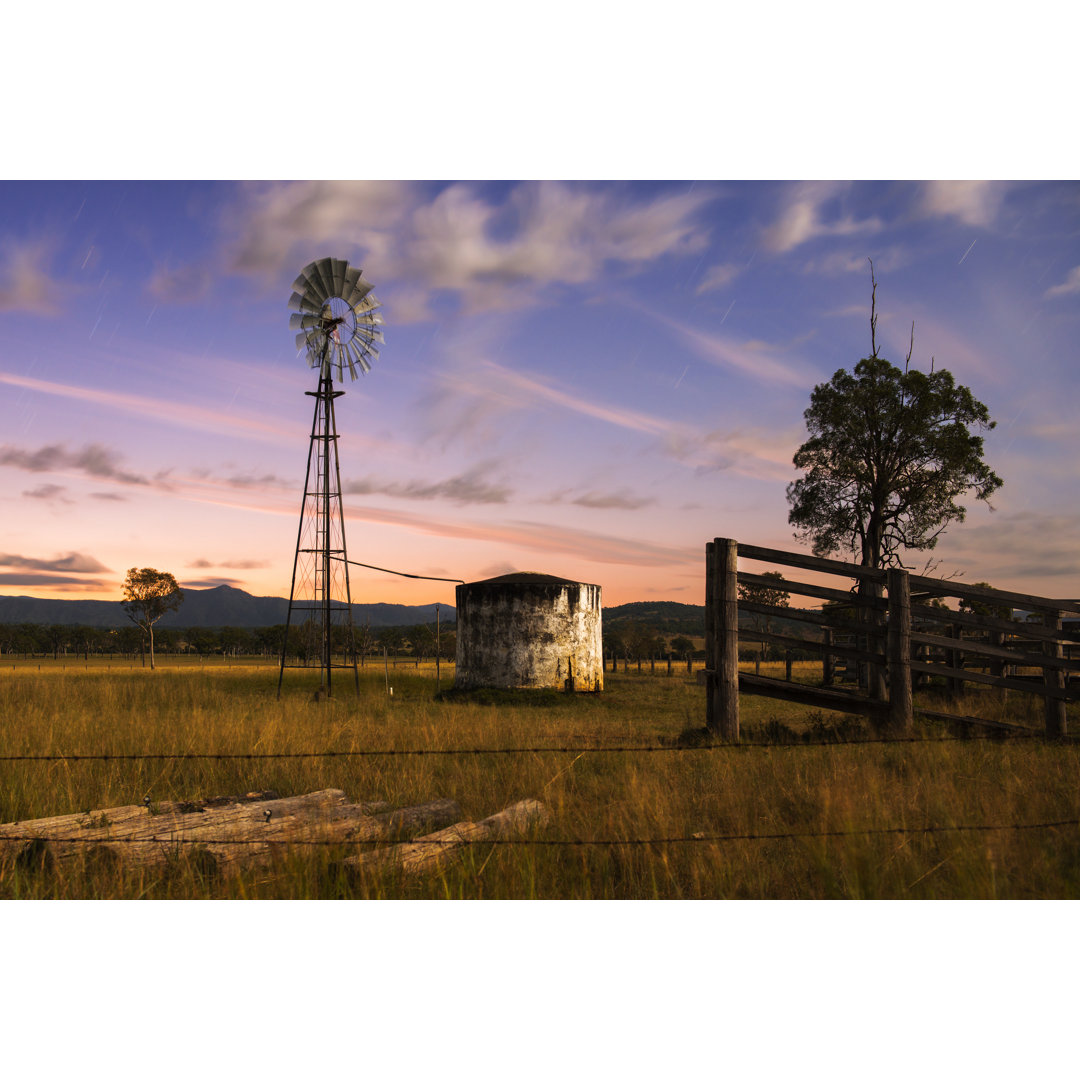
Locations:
529 631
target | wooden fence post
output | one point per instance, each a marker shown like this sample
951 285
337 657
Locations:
722 639
827 659
875 642
899 652
955 659
1054 678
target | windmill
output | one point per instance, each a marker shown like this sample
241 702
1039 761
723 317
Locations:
337 317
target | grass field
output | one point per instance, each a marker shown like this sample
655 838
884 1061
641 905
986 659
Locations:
879 799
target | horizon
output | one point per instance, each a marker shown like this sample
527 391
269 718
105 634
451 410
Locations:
588 379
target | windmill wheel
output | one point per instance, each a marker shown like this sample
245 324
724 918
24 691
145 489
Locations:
337 316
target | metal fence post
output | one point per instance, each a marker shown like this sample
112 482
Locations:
899 652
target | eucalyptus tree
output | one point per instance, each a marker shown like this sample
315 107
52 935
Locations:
890 456
148 595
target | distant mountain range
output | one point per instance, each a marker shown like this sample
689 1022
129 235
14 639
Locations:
220 606
226 606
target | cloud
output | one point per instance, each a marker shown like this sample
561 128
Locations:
469 488
623 499
1019 546
486 251
52 580
210 582
484 387
717 277
249 480
972 202
183 284
72 563
161 409
848 262
108 496
1070 285
241 564
759 360
802 217
278 228
93 459
47 492
25 282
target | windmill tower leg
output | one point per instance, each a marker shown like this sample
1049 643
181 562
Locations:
320 599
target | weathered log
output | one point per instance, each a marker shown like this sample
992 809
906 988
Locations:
437 850
251 831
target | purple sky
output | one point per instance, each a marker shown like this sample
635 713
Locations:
589 379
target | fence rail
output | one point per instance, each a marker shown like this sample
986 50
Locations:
891 643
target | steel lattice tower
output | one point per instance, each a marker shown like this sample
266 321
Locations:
337 316
320 600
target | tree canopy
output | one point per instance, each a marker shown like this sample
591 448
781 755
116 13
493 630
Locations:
890 455
776 596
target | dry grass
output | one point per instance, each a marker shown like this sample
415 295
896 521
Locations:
214 708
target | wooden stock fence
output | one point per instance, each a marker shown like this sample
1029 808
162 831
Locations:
896 634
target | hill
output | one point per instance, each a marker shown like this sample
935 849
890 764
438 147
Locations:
668 618
220 606
663 616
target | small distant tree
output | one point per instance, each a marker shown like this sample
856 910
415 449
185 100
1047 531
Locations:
681 646
391 638
148 595
986 607
773 596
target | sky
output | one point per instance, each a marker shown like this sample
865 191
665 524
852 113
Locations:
589 379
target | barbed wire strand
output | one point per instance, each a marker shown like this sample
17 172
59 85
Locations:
551 842
648 748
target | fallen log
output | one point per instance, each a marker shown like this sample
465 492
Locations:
437 850
251 830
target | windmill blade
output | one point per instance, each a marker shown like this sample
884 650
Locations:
339 266
352 276
324 274
304 302
365 308
304 279
360 289
361 359
352 368
304 321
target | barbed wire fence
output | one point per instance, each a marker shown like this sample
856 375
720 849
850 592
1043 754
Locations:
696 838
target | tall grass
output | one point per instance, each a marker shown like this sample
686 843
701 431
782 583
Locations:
760 790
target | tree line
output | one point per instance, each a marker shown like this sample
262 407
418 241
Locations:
29 640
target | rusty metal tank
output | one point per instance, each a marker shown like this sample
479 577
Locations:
529 631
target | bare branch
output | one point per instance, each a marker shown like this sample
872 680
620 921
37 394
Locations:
873 311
